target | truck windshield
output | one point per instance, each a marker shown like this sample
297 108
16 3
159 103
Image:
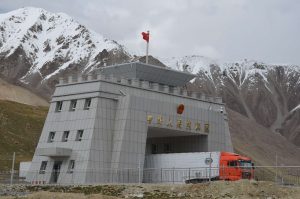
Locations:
245 164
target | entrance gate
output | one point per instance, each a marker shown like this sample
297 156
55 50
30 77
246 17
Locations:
55 172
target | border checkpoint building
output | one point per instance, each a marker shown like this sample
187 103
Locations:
100 128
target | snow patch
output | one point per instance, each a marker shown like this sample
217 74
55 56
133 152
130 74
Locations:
194 64
296 108
46 37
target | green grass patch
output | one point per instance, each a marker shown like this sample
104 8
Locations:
20 129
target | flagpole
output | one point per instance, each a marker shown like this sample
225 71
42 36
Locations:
147 48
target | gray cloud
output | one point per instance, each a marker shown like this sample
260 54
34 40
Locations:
266 30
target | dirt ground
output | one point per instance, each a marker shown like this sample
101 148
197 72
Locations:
240 189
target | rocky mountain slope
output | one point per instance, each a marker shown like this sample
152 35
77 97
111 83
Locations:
260 143
37 46
265 93
19 94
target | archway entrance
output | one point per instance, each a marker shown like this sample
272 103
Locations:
161 140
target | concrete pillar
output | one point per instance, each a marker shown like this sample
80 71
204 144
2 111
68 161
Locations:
79 78
155 86
70 79
203 97
218 99
124 81
100 77
136 82
89 78
210 99
166 88
145 84
108 77
61 80
194 94
176 90
113 79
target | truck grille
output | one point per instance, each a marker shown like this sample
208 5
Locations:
246 175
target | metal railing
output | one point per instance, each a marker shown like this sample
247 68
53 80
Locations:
284 175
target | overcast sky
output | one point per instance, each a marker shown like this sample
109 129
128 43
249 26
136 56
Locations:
265 30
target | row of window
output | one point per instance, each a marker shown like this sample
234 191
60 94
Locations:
43 167
87 105
65 136
166 148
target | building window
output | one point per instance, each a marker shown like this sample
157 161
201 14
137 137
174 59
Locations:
71 166
167 148
73 105
58 106
87 103
79 135
65 136
43 167
51 137
154 148
232 163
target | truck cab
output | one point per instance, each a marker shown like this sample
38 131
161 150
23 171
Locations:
235 167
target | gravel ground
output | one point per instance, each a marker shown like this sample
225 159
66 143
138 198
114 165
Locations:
240 189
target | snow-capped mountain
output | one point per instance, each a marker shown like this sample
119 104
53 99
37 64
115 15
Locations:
266 93
36 46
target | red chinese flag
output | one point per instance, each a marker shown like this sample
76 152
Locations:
145 36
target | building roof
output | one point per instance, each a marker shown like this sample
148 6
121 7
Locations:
147 72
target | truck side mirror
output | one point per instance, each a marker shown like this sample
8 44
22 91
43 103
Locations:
253 167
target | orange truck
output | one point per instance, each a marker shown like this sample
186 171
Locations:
235 167
199 166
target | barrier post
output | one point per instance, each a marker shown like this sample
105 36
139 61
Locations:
12 168
173 174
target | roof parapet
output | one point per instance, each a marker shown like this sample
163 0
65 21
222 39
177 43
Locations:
140 84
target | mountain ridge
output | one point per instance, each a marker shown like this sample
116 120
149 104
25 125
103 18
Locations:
266 93
19 94
55 45
37 46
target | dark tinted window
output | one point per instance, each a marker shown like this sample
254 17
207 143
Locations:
58 106
51 136
43 167
154 148
79 135
232 163
65 136
87 103
73 105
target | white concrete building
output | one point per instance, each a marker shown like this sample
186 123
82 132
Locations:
101 128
